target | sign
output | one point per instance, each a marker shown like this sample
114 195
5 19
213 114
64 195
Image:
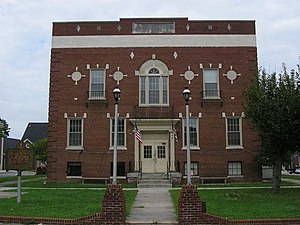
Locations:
20 158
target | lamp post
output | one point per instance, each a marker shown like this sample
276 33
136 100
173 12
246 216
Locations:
186 94
117 93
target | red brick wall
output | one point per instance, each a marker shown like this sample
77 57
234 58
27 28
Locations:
96 156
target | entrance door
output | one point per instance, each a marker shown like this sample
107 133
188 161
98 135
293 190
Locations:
154 157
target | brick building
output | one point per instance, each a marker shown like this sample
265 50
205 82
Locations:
151 60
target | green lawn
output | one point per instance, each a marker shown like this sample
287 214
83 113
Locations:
44 184
291 177
15 178
57 203
249 203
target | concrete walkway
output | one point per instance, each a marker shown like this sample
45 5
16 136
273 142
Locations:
152 206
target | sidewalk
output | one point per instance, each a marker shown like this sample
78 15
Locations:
152 206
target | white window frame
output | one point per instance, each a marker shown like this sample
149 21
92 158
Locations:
119 147
239 168
74 176
161 89
101 97
240 146
218 84
193 163
74 147
192 147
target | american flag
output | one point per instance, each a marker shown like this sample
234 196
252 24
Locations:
138 135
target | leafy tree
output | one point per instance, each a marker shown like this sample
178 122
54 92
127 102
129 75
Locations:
40 149
4 129
273 107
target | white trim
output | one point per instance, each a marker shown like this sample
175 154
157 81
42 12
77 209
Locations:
69 147
117 41
73 177
119 147
237 147
192 147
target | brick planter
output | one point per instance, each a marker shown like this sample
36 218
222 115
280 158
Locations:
113 205
190 206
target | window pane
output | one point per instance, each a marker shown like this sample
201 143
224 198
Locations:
74 169
161 152
234 168
120 132
75 132
143 90
97 83
210 75
147 152
194 169
153 90
210 83
165 90
153 71
233 129
193 132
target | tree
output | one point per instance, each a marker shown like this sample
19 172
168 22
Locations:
273 107
4 129
40 149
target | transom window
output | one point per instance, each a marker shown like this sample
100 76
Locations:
75 132
211 83
193 131
235 168
97 84
120 132
233 128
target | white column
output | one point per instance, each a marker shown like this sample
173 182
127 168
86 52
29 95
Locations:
136 155
172 151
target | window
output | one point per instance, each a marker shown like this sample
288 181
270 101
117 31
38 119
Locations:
194 169
120 169
235 168
211 83
75 133
97 84
154 88
120 132
193 131
147 152
74 169
233 127
161 152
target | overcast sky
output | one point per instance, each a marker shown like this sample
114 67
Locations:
25 40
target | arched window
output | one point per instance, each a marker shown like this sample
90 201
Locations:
154 84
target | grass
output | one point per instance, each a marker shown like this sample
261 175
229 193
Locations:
59 203
249 203
44 184
291 177
15 178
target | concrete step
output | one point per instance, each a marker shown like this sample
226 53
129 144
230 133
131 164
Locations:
154 176
154 222
154 185
154 180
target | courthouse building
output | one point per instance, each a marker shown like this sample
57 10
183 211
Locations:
151 60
